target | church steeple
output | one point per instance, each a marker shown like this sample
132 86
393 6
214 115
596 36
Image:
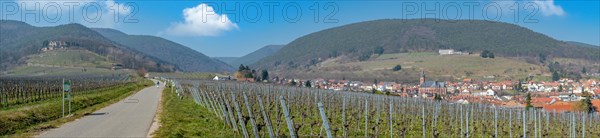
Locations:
422 80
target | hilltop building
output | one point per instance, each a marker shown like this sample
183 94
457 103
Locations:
55 45
451 52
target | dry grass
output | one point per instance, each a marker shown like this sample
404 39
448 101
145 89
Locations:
436 67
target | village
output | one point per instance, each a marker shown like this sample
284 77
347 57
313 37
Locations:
557 96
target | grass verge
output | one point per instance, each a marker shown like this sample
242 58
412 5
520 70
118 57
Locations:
185 118
28 121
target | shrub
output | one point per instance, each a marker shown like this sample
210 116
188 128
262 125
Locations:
397 68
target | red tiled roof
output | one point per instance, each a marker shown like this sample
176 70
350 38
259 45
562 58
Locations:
511 104
596 104
559 107
552 84
542 100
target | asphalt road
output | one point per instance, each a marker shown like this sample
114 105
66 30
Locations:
131 117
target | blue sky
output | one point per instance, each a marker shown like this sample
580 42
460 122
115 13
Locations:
223 29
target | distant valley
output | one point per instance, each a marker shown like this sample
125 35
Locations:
253 57
183 57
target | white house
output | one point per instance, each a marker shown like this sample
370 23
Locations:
489 92
533 87
578 90
466 91
217 78
568 97
366 87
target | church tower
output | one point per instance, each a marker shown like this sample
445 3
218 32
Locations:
422 80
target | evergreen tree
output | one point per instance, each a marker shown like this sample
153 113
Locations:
397 68
555 76
528 101
437 97
554 66
257 79
542 57
560 88
379 50
293 83
308 84
518 87
585 105
248 75
583 70
487 54
241 68
484 54
265 75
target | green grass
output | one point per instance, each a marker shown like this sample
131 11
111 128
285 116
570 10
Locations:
29 120
74 58
185 118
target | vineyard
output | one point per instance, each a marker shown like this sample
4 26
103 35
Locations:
22 90
261 110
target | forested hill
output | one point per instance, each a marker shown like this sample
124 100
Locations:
181 56
360 41
20 40
582 44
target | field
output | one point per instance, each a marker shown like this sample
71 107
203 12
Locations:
30 96
448 67
35 105
19 90
265 110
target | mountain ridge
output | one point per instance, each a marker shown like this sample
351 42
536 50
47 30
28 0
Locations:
21 40
181 56
363 40
582 44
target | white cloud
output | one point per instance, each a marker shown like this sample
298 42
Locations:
201 20
548 8
545 7
120 8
